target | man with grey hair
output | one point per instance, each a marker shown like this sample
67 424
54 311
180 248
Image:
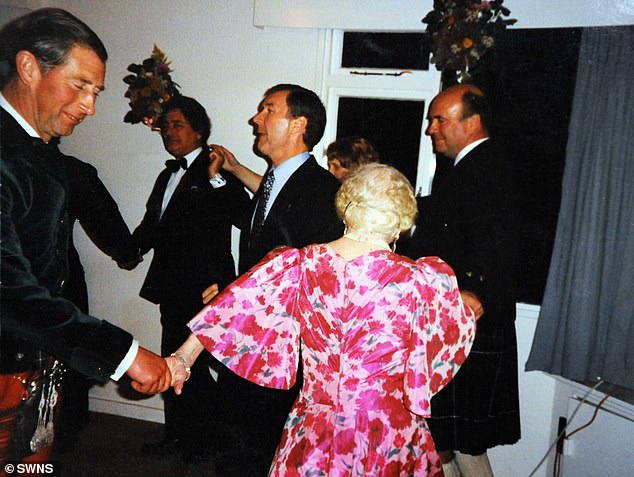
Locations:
53 71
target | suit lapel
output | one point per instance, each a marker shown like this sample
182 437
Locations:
295 183
197 170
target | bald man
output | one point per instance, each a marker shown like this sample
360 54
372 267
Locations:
465 221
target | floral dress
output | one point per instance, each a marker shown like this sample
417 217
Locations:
379 335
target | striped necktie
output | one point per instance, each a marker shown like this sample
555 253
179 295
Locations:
258 218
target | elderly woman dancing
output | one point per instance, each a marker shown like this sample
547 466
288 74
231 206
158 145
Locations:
379 334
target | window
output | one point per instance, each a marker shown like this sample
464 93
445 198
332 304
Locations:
378 86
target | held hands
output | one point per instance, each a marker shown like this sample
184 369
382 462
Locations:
149 373
179 362
180 370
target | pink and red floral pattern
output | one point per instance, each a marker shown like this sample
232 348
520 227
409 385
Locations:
379 335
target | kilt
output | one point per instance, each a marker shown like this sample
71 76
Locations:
479 408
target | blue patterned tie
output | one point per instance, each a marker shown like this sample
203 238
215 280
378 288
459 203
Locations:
258 218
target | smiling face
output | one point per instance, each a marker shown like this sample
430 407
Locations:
179 138
66 94
446 126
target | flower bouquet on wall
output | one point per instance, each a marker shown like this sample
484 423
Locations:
463 31
149 87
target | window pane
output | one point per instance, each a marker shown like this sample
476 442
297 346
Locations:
392 126
408 51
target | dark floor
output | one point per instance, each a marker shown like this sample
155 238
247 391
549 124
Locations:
110 446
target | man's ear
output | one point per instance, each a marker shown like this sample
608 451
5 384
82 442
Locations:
299 125
27 67
475 123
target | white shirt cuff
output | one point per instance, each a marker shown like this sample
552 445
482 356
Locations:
217 181
127 361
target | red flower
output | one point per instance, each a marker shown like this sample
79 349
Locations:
452 333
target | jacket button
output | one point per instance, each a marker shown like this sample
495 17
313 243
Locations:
469 274
19 356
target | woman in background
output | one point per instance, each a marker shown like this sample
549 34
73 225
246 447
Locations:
346 154
379 335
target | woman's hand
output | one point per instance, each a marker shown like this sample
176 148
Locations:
180 371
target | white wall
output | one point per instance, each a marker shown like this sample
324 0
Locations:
220 58
225 62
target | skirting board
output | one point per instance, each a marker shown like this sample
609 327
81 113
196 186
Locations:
132 410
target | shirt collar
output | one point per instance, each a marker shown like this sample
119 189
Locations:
468 149
18 117
193 155
288 167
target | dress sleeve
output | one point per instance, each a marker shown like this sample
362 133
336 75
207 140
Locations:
251 328
443 329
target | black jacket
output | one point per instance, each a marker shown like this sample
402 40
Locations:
35 236
192 240
303 213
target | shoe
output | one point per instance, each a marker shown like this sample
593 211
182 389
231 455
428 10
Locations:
195 456
168 446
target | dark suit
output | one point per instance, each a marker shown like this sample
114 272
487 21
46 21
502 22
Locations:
36 321
192 249
467 222
303 213
35 239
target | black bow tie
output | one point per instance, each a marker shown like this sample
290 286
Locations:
174 164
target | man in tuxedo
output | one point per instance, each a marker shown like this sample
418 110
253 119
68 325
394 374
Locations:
467 222
54 71
187 222
294 204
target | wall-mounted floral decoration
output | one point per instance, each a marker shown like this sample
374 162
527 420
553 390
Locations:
463 31
149 87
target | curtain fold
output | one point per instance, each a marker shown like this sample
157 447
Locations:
585 329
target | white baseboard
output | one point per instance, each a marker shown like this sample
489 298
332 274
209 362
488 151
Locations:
133 410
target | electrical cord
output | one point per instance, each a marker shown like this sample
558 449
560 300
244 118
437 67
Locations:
563 431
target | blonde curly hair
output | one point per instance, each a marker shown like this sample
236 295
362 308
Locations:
377 198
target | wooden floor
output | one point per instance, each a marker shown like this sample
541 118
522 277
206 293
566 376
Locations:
110 446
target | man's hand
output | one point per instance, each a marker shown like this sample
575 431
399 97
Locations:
152 123
210 292
228 161
224 157
216 162
149 373
472 301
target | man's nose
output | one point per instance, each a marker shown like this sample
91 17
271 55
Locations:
88 103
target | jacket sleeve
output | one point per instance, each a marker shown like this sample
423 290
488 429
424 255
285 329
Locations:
30 312
91 203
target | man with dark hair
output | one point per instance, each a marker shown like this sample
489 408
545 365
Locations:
187 222
56 69
466 222
294 205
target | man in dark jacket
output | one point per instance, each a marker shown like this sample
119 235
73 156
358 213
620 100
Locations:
56 69
293 205
188 221
467 222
